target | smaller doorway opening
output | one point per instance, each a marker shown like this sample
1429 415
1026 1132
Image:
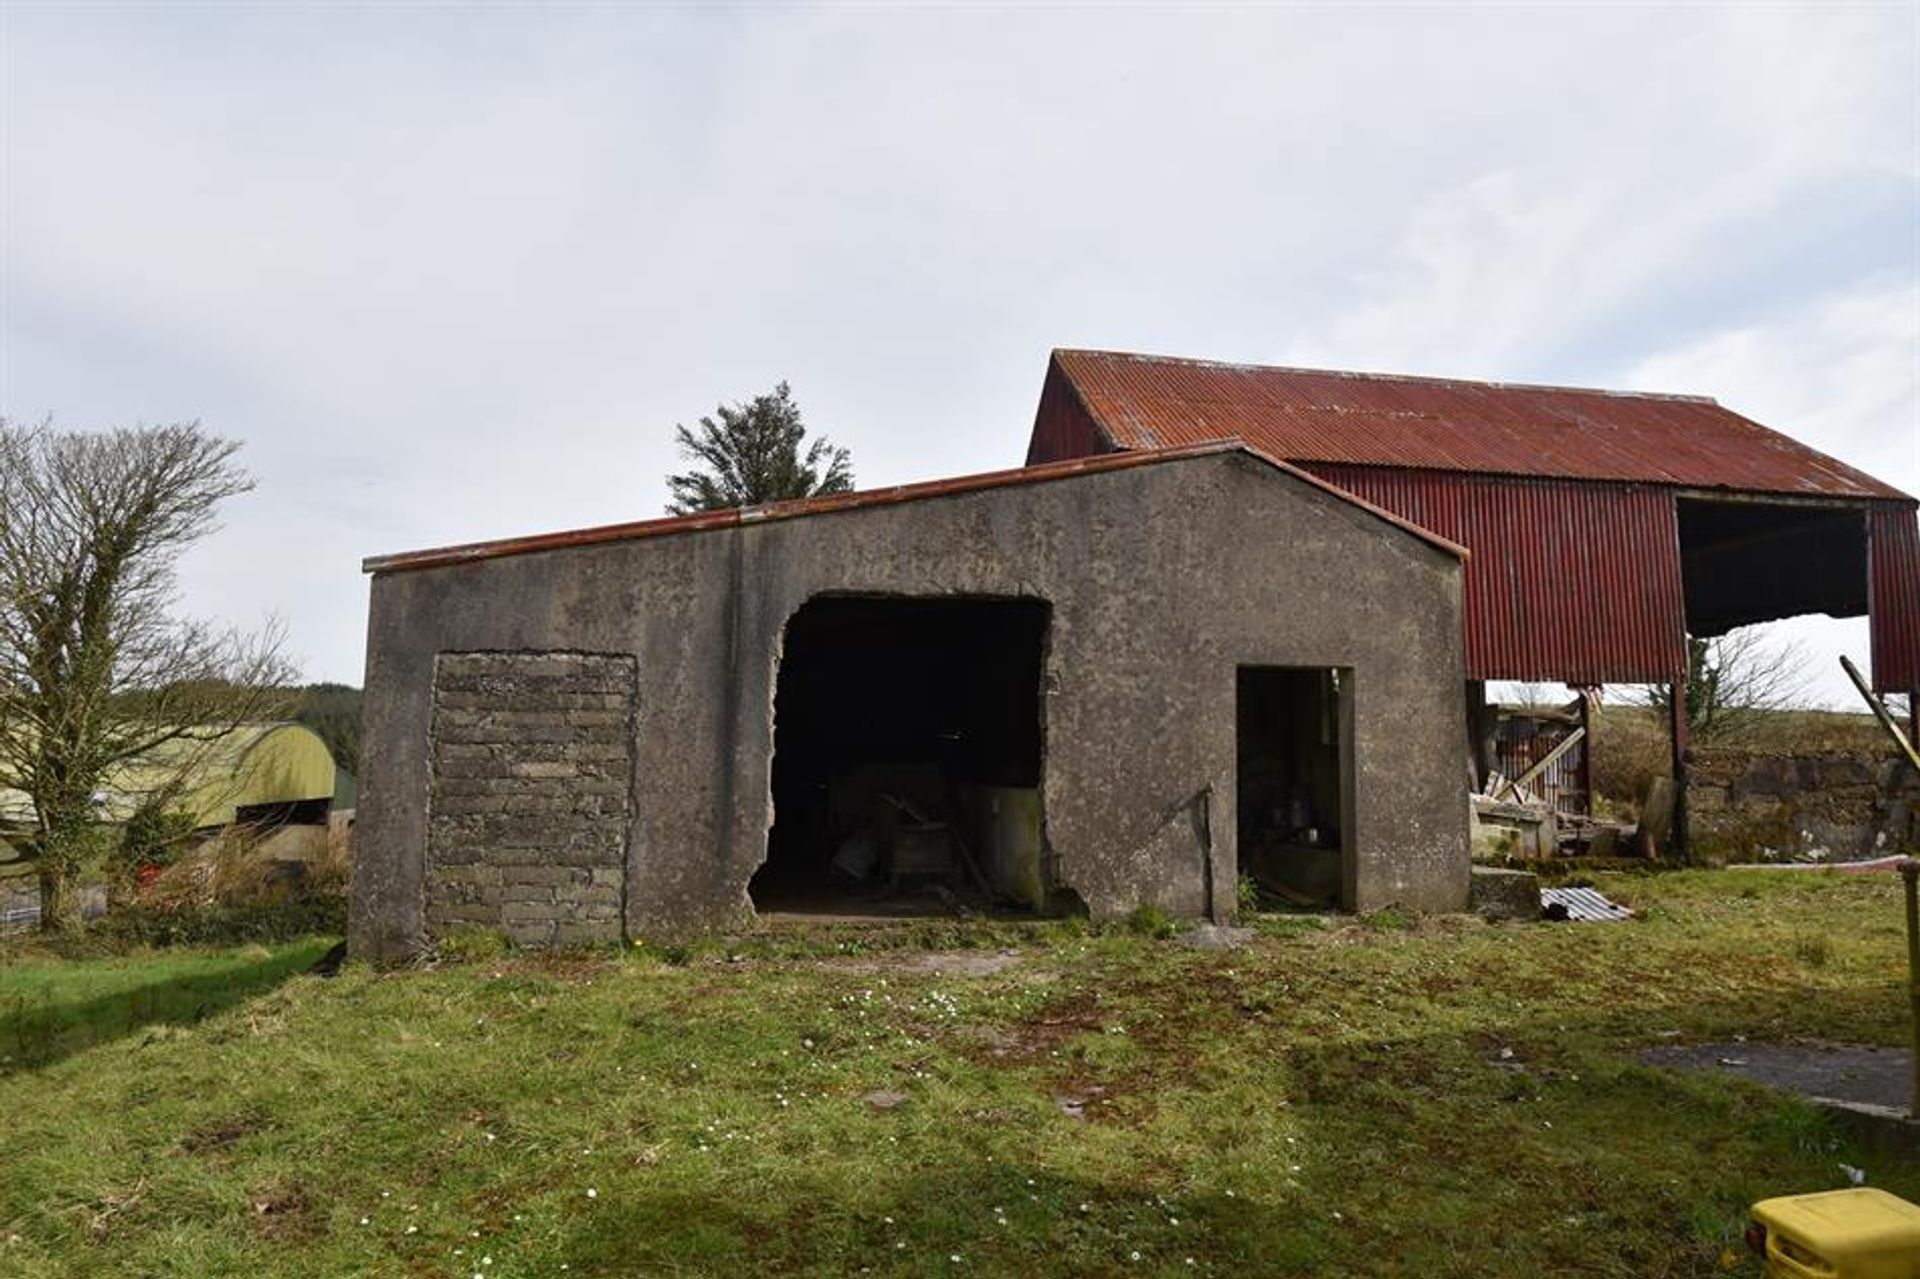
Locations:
908 735
1294 779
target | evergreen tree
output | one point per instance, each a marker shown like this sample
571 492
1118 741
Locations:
750 453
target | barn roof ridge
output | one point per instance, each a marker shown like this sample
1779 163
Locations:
1366 375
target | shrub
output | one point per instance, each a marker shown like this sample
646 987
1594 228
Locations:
1629 749
221 926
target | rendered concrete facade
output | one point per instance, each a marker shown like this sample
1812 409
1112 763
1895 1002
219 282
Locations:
1162 580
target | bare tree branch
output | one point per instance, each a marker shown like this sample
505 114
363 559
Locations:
1734 681
95 668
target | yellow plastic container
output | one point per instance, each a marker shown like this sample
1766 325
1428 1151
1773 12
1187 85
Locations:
1861 1233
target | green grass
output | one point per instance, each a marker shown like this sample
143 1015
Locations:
1331 1099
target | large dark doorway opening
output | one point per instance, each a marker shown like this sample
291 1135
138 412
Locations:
1294 781
907 747
1745 562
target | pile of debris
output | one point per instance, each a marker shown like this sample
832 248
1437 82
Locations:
1535 804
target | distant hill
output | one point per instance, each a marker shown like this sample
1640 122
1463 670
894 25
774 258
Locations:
333 711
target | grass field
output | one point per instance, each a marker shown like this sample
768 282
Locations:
1380 1097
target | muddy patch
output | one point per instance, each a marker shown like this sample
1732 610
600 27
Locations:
218 1134
282 1210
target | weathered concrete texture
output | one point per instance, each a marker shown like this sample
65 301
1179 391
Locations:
530 777
1163 579
1504 894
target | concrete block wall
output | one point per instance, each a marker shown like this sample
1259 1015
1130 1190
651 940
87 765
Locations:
530 772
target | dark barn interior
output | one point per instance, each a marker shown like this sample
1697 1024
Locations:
1751 561
1292 782
907 731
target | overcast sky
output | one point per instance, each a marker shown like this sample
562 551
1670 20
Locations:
454 272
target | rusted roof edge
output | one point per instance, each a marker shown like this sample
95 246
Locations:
1076 363
437 557
1100 430
1362 375
1689 489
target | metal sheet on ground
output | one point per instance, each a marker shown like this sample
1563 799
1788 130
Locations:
1584 905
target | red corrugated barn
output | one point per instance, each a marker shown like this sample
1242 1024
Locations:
1604 527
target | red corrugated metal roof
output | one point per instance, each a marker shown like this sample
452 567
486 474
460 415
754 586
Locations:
1371 419
875 497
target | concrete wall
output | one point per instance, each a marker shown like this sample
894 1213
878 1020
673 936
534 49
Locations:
1163 579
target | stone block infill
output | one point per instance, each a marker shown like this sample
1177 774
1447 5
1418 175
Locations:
531 771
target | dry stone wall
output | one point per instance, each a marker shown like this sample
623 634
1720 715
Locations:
1827 806
531 777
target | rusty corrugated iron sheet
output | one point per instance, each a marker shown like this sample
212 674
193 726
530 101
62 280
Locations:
1893 558
739 517
1062 427
1314 415
1567 581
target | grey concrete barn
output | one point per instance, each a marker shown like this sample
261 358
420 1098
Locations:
1061 688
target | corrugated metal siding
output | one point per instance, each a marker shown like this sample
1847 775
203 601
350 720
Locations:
1893 545
1317 415
1062 428
1585 905
1566 581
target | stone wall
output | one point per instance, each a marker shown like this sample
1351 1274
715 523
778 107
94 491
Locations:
1827 806
530 768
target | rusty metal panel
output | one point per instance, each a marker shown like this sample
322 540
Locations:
1566 580
1893 551
1062 427
1315 415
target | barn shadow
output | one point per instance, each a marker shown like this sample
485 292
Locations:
36 1032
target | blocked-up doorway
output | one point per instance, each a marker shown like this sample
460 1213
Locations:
1295 783
908 735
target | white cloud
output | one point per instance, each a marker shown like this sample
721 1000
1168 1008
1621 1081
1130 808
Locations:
1748 156
1840 372
453 272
